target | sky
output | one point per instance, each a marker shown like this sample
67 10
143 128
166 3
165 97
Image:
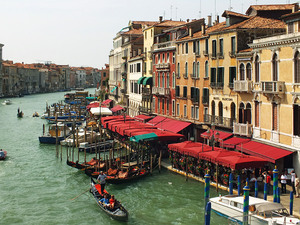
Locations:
80 32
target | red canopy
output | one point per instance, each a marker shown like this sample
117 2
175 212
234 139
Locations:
212 156
120 118
134 131
117 108
171 125
183 145
142 118
106 102
156 120
232 142
223 135
264 151
241 161
107 118
135 127
93 105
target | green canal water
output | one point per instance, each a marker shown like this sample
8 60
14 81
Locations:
37 188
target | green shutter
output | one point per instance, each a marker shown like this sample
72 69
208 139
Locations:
212 75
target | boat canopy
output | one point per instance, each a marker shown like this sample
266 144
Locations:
270 206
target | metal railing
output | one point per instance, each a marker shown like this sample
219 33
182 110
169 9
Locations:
219 120
242 85
273 87
146 91
160 91
232 54
216 85
242 129
145 110
168 44
194 76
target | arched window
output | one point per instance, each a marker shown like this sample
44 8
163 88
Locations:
232 113
186 70
257 69
178 69
163 80
275 67
248 113
220 112
194 69
158 80
297 68
206 69
158 60
242 71
168 81
173 80
241 112
198 69
163 57
213 108
248 71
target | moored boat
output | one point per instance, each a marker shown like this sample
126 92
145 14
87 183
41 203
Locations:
260 211
118 212
7 102
50 137
124 176
2 154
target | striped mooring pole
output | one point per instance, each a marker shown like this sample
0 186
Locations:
231 184
206 189
265 191
246 190
291 202
207 214
256 189
278 194
275 184
239 184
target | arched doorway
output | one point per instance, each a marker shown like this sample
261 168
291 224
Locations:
248 113
232 113
241 112
213 111
220 105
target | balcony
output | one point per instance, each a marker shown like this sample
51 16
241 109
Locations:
161 91
219 121
220 55
195 100
272 87
197 53
163 66
205 53
242 86
194 76
145 110
232 54
242 129
146 91
178 75
213 55
216 85
185 76
205 100
165 45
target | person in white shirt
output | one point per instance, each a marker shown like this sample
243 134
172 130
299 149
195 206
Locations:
293 176
283 179
297 186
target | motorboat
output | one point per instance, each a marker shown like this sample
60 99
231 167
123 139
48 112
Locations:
2 154
260 211
7 102
60 130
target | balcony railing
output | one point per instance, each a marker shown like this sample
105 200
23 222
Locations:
220 55
242 129
272 87
163 66
197 53
177 75
205 100
185 76
195 100
169 44
242 85
232 54
146 91
194 76
145 110
219 120
217 85
160 91
205 53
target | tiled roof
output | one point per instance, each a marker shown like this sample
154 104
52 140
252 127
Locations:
231 13
134 31
169 23
148 23
291 15
271 7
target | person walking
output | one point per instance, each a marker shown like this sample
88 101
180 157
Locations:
297 185
293 176
101 179
268 181
283 179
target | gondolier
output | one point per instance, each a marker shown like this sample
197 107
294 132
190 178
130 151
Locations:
102 180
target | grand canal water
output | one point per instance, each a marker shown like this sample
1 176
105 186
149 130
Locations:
37 188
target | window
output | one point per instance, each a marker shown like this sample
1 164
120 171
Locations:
158 80
173 80
153 103
178 109
233 49
146 35
158 61
163 57
168 57
186 70
275 67
213 74
182 48
214 48
173 57
194 69
138 69
242 71
158 105
185 111
198 47
173 107
206 69
297 68
192 112
197 113
153 79
220 77
168 106
185 91
205 97
163 106
249 71
198 70
256 113
232 76
168 80
104 74
206 46
290 28
178 69
177 91
257 68
274 116
221 47
296 122
186 48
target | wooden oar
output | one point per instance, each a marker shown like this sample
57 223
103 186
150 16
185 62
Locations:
80 194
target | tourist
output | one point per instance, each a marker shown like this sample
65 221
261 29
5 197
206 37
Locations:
112 202
297 185
293 176
283 179
104 200
268 181
101 179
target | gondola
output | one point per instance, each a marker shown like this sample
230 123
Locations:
118 213
92 164
133 174
20 113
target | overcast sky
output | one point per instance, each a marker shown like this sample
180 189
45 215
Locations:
80 32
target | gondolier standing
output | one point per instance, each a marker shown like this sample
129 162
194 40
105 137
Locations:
101 179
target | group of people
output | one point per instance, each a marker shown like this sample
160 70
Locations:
295 182
110 203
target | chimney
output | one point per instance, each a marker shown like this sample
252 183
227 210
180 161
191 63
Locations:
218 19
160 19
188 20
209 21
203 28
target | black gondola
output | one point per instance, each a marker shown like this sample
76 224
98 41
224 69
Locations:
118 213
20 113
132 175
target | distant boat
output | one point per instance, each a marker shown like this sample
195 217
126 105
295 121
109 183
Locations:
2 154
50 138
7 102
35 114
20 114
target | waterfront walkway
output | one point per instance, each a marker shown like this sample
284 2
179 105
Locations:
284 198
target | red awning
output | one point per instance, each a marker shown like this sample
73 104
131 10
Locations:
237 162
171 125
223 135
212 156
136 127
93 105
264 151
106 102
121 120
183 145
133 132
107 118
232 142
156 120
142 118
117 108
